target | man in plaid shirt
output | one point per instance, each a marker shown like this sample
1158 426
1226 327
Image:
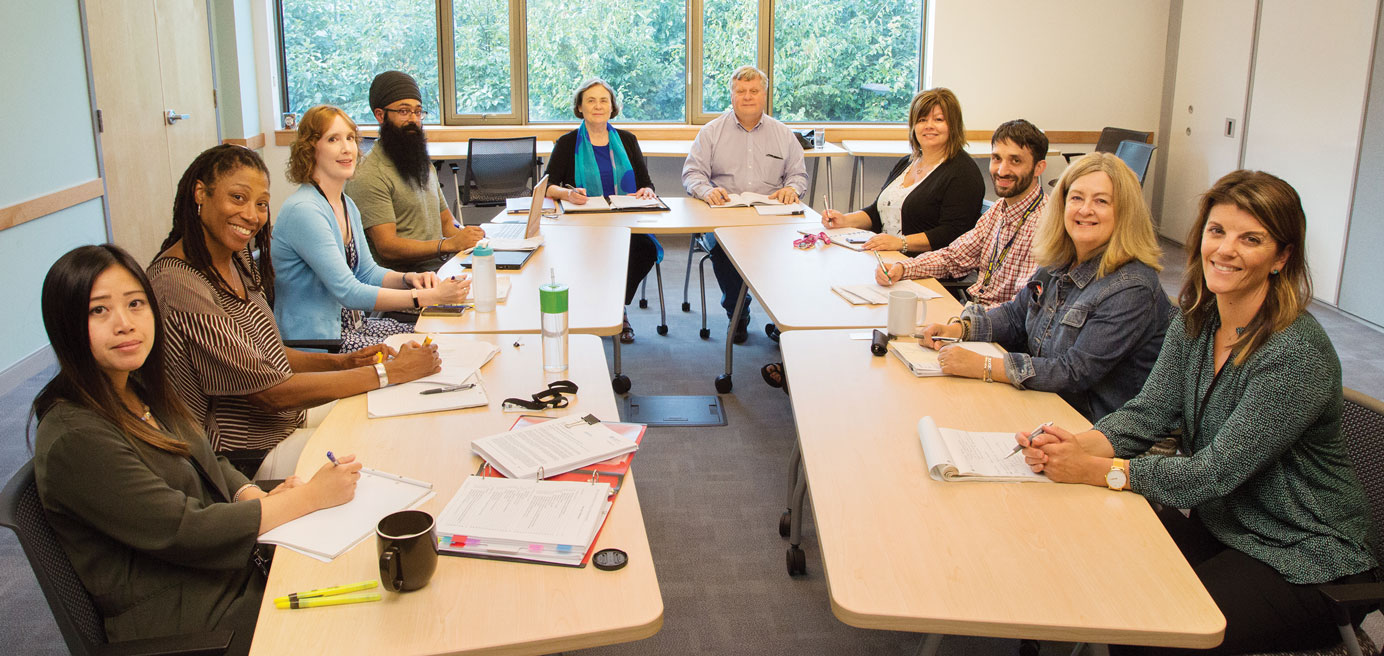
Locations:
998 249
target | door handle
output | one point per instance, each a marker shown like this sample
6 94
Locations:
173 117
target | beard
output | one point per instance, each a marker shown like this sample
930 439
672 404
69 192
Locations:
1021 184
407 147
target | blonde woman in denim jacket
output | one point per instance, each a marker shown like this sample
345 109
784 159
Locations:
1090 322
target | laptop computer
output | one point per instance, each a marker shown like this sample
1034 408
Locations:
528 230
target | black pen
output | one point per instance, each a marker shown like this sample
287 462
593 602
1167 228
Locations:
773 156
448 388
1031 436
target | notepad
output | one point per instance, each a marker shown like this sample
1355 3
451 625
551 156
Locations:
922 361
541 521
873 294
502 285
552 447
462 359
330 532
959 455
614 203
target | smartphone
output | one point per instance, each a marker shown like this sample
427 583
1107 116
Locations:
445 310
858 238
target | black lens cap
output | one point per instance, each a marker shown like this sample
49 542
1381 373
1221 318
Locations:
609 559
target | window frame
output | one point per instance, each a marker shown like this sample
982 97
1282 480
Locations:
518 60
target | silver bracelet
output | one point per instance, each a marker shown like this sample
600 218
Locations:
988 370
383 375
242 489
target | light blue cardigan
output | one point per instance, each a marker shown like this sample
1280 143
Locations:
312 282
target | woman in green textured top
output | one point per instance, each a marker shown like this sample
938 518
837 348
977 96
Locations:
1252 381
160 530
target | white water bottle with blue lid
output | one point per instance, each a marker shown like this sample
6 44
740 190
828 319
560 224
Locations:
483 283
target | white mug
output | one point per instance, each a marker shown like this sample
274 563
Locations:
903 312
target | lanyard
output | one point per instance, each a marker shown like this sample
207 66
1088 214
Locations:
1199 408
998 255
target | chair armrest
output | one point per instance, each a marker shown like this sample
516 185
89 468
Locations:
190 644
328 345
1343 598
1071 156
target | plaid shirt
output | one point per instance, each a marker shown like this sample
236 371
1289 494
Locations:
978 248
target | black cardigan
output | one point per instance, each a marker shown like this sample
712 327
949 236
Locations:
562 167
944 206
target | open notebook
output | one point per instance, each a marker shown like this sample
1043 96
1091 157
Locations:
462 359
959 455
330 532
922 361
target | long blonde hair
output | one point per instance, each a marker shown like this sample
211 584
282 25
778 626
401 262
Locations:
1277 206
1133 238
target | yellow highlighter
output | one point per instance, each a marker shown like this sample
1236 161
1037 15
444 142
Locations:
326 592
379 357
328 601
427 340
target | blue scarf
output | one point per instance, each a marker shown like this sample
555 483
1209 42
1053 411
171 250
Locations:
588 173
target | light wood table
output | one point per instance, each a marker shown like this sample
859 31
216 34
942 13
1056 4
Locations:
1021 560
684 216
471 606
591 261
794 286
859 149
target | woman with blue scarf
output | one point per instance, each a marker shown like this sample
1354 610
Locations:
588 159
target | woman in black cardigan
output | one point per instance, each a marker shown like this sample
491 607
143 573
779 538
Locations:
933 195
588 159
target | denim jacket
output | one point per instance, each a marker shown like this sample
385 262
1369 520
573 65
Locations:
1091 340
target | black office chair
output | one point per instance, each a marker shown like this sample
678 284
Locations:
1110 139
1136 154
497 169
81 625
697 246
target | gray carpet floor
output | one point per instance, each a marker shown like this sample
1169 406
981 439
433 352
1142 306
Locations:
711 498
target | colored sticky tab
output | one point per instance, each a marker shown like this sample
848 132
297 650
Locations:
564 548
535 548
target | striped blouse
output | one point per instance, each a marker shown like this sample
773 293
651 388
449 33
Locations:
221 349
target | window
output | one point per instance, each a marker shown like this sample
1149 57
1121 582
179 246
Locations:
638 46
846 60
515 62
332 50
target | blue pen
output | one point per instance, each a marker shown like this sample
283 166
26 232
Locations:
332 458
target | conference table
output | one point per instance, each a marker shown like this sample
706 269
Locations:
591 261
859 149
794 286
471 606
904 552
684 216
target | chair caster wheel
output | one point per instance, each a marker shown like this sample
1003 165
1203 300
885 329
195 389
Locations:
643 303
663 329
785 523
705 333
686 307
621 383
1028 648
723 384
797 562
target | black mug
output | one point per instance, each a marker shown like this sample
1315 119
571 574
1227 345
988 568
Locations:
407 544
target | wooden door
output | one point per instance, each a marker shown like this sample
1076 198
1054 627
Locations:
149 56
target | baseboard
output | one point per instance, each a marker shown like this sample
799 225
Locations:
28 367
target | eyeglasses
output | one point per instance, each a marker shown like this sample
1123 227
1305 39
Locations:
810 241
418 113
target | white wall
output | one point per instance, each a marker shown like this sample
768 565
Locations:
1306 109
1062 64
1213 70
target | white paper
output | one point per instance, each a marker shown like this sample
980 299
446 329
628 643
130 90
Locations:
522 511
922 361
748 198
502 285
503 244
631 202
408 398
876 294
462 355
522 205
330 532
841 236
780 210
592 204
954 454
556 446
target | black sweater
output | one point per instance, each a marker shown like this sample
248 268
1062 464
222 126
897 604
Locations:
562 164
944 206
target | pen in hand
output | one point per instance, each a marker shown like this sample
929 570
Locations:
879 259
1031 436
332 458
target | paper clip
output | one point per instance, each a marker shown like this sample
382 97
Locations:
485 470
540 473
595 475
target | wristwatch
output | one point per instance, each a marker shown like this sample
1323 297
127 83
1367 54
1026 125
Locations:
1118 476
384 375
414 292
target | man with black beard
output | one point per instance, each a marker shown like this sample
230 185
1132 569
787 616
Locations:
405 217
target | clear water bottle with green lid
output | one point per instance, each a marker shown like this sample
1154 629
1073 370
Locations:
552 297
